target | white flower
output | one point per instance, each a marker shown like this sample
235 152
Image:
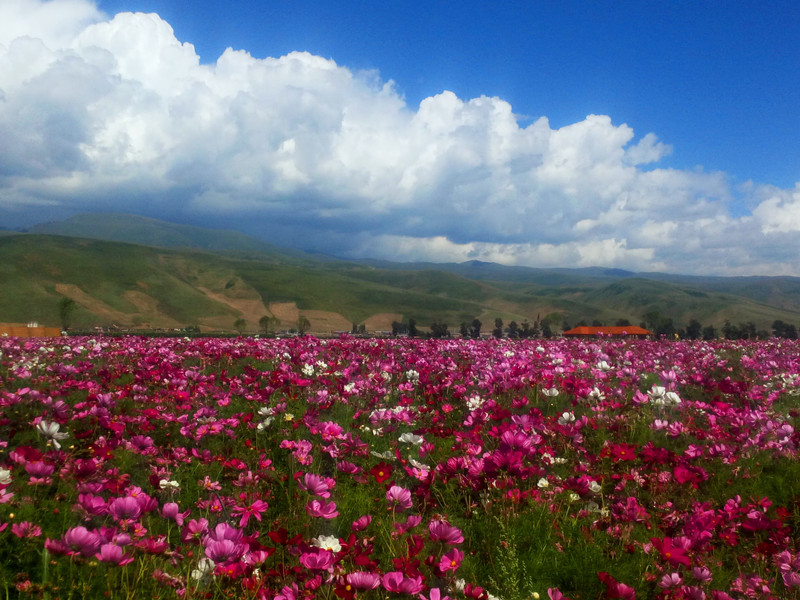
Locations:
166 484
419 465
672 398
551 392
266 411
566 418
603 366
308 370
5 476
51 431
475 402
349 387
205 567
595 487
596 395
543 483
410 438
412 375
265 423
327 542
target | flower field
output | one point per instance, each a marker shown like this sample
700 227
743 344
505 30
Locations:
351 468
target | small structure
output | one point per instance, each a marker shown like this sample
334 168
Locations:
31 330
626 331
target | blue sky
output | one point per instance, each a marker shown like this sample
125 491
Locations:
653 136
719 81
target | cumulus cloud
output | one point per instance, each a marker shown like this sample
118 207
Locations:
116 113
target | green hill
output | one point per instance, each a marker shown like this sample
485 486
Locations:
179 276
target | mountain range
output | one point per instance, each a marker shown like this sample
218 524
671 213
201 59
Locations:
134 272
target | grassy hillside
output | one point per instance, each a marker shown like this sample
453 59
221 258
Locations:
139 286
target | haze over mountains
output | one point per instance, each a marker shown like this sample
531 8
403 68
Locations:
136 272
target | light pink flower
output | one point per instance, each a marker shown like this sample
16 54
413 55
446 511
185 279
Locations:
398 498
323 510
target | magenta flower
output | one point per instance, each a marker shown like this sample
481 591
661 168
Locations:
451 560
194 530
81 541
126 508
321 560
363 580
361 523
223 531
113 554
441 531
323 510
398 498
433 594
253 510
396 581
171 510
93 505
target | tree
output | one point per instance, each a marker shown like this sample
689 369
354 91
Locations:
729 331
622 323
526 330
475 329
303 325
709 333
66 306
513 330
498 328
267 323
546 331
694 329
464 330
397 328
439 329
412 328
240 325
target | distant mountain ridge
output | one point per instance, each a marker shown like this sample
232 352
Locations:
136 272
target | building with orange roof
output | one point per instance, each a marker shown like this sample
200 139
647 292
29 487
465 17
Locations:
626 331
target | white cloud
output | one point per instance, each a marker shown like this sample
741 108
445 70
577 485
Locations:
119 114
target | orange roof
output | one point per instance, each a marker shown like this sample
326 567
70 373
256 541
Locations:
626 330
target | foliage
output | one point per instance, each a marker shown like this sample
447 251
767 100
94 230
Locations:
357 468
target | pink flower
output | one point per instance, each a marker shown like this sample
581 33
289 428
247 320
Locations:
26 529
316 485
224 551
113 554
451 560
363 580
670 580
398 498
324 510
441 531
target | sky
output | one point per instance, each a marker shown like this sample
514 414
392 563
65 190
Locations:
650 136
